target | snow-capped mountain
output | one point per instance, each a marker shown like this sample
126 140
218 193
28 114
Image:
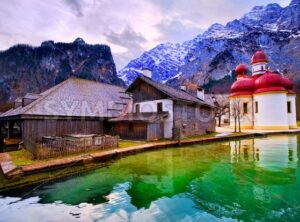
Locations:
212 55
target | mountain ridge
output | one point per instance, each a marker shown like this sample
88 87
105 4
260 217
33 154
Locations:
24 68
213 54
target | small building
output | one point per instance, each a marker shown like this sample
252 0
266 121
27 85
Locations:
75 106
265 100
159 111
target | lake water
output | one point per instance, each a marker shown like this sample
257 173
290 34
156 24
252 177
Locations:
247 180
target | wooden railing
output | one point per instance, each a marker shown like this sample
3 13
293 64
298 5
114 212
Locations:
63 146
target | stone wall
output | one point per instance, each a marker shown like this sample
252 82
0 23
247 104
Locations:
193 119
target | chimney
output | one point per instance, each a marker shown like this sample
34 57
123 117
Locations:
17 103
183 88
200 93
29 98
147 73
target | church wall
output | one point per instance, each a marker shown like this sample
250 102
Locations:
272 111
292 119
259 68
247 118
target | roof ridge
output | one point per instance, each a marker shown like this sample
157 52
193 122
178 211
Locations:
152 82
88 80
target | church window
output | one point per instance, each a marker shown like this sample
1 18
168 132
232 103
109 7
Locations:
256 107
289 107
245 108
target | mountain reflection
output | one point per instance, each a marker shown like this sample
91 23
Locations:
246 179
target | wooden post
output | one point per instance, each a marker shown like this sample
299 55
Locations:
1 137
10 129
21 130
179 137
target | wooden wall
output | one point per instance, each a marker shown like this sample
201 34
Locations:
155 131
145 92
36 129
193 119
137 131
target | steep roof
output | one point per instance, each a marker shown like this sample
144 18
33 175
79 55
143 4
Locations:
167 90
76 97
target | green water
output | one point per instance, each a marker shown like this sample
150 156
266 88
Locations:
247 180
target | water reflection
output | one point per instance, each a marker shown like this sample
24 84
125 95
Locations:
252 179
273 154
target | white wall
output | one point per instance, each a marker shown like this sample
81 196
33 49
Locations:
292 118
246 120
151 106
272 111
256 68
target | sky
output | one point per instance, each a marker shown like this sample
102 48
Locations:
129 27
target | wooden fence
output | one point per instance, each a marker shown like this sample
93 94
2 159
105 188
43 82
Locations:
63 146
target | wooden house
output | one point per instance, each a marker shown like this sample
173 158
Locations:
160 111
75 106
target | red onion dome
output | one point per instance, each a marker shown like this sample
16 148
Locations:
259 56
269 82
288 85
244 86
241 69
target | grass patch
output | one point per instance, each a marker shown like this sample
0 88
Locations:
22 157
201 136
129 143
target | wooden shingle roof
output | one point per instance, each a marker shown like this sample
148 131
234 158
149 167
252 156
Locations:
171 92
76 97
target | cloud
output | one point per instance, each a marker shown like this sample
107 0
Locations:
76 6
175 27
129 27
131 41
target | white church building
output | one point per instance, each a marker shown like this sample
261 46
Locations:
266 99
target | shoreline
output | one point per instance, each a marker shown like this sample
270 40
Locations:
11 171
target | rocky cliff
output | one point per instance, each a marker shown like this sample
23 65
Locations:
24 68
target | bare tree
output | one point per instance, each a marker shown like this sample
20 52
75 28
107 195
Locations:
221 104
236 113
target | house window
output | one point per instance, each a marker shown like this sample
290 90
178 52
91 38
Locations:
130 127
245 108
289 107
137 108
256 107
159 107
262 68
